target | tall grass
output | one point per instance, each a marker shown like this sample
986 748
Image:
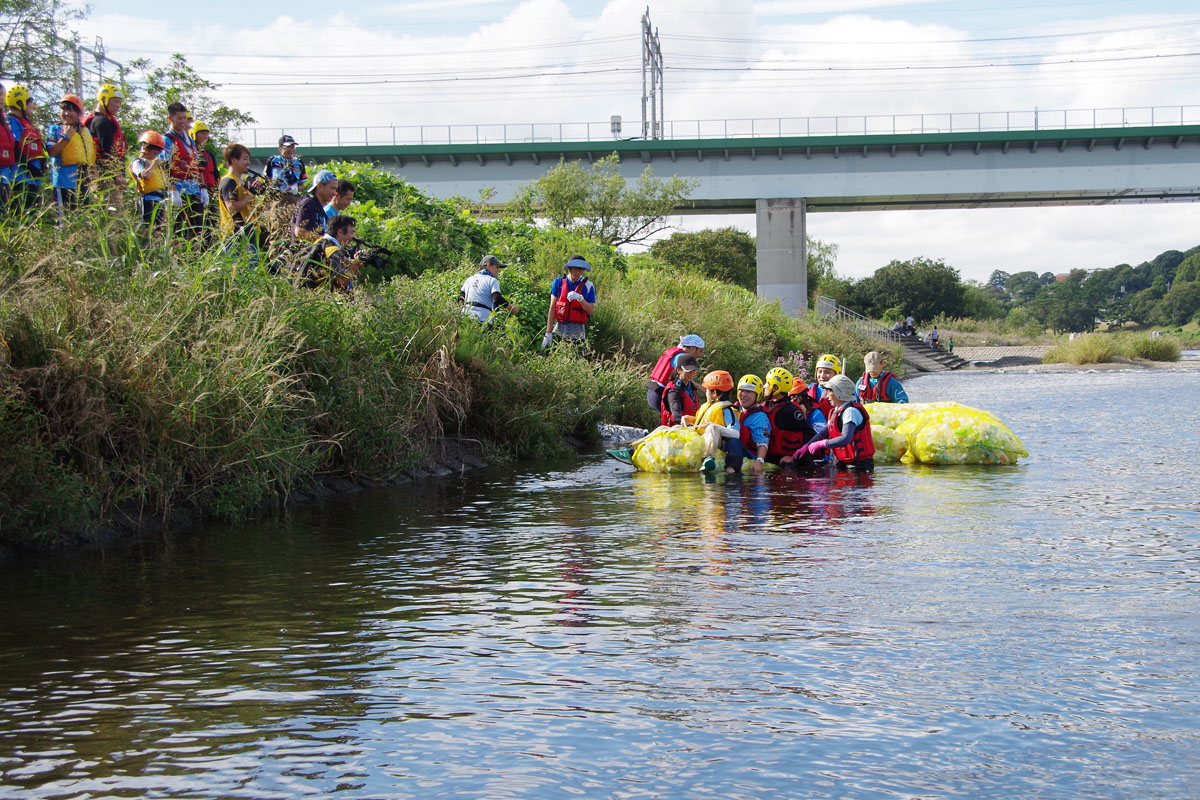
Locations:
1099 348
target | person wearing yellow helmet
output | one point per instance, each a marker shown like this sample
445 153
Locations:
207 157
106 130
30 162
73 152
8 156
790 428
755 426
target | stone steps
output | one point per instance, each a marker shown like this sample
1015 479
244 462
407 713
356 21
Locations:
918 356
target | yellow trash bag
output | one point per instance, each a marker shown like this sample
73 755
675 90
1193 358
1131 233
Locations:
673 450
893 415
890 444
959 435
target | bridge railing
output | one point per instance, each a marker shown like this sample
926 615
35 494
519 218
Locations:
828 307
601 132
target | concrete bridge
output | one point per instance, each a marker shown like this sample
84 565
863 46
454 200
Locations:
781 178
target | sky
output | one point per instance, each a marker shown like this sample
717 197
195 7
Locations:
441 62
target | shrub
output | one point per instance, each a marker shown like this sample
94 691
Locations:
1153 348
1090 348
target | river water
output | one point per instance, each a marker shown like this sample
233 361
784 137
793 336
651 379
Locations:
571 629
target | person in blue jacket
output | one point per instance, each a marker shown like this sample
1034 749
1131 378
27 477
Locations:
878 385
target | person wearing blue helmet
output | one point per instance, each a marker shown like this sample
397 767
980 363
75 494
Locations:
572 302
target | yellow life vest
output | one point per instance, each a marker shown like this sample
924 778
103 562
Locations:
80 149
152 180
713 412
230 220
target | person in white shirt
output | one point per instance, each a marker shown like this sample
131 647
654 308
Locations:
480 292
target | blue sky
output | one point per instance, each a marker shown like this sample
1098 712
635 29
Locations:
451 62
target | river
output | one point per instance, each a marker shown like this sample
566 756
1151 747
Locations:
571 629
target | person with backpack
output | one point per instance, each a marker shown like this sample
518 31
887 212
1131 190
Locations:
30 154
572 303
480 292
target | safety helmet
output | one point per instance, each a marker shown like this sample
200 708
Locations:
831 361
718 380
779 380
197 127
107 92
799 386
751 382
74 100
154 139
16 96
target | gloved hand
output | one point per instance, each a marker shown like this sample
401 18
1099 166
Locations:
574 296
801 453
547 340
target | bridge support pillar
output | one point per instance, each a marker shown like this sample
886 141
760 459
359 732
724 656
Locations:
782 260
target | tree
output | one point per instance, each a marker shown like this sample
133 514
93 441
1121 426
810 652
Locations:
1180 304
999 278
1023 286
177 82
31 49
984 302
821 257
924 287
1064 307
1143 306
1188 269
598 203
726 254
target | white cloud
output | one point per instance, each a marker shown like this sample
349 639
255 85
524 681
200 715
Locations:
787 8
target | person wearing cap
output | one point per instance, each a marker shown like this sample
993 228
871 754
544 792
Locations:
342 198
8 155
878 385
679 398
183 160
309 219
664 368
72 151
480 292
849 433
572 302
29 153
285 172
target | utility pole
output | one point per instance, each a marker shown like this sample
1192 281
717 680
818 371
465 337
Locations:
652 93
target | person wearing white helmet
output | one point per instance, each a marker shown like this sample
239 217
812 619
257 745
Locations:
664 369
572 303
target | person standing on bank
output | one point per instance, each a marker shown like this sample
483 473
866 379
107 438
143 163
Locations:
878 385
480 292
572 302
110 140
73 151
664 368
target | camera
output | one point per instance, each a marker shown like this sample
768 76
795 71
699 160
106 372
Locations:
371 255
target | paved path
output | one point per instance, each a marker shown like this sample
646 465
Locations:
994 353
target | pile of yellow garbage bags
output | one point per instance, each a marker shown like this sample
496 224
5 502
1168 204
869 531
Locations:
677 450
941 433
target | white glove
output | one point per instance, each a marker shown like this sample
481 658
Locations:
176 198
574 296
547 340
204 197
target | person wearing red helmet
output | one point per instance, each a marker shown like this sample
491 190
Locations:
149 176
72 150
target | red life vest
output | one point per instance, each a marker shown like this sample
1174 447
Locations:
823 405
861 446
570 310
661 374
118 142
746 437
208 169
8 147
183 158
877 393
29 144
689 405
783 443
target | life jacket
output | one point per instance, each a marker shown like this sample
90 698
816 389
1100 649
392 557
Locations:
80 149
8 146
661 374
183 157
783 442
689 404
861 446
714 412
877 393
570 310
822 403
747 438
118 142
29 148
287 174
152 180
208 168
230 221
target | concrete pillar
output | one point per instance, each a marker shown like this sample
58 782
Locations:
782 260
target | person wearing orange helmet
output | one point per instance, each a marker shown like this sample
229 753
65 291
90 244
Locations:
149 176
72 151
720 410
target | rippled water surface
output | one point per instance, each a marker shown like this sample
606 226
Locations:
573 629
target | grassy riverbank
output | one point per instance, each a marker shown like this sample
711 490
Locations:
1100 348
167 376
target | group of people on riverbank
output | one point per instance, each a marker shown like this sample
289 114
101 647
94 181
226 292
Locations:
280 216
781 419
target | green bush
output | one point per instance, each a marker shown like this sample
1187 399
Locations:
1153 348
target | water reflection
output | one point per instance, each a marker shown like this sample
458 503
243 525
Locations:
574 629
